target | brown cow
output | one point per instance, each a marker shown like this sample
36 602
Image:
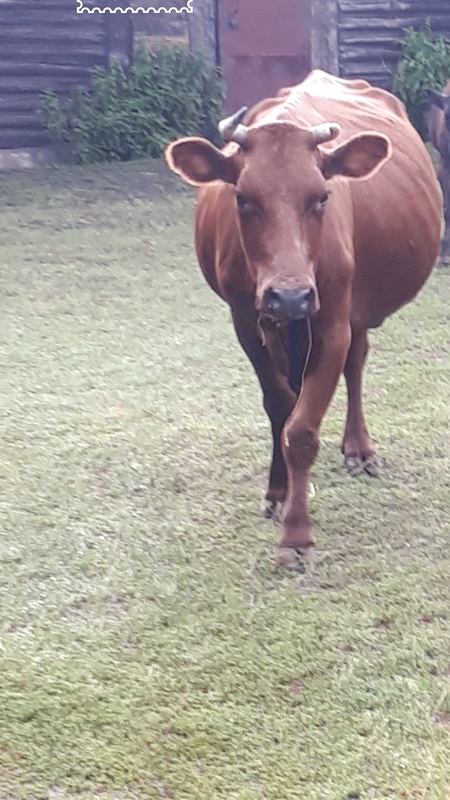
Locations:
439 135
311 244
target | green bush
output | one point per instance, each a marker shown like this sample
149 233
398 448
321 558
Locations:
167 94
424 64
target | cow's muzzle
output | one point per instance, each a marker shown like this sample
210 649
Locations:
287 304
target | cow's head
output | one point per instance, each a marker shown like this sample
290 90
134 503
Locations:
280 177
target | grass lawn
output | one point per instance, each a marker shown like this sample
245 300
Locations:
148 646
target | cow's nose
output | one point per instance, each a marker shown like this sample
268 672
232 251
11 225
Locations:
289 303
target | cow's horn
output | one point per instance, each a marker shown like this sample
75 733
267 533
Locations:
231 129
325 132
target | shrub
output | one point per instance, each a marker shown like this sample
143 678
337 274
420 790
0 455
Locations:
424 63
167 94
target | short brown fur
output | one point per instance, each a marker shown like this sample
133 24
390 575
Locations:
364 253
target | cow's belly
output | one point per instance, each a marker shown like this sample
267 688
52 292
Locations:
397 230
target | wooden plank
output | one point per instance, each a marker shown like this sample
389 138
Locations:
392 7
23 69
22 120
364 36
45 10
19 68
440 23
48 33
15 137
373 54
379 6
23 102
46 5
32 84
36 15
59 56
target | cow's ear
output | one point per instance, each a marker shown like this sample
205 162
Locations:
435 98
198 162
358 157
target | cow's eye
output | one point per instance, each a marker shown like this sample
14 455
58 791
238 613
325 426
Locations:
320 204
243 203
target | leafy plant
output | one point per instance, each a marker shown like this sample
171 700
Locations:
168 93
424 63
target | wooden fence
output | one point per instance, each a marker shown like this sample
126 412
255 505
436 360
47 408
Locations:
46 44
362 38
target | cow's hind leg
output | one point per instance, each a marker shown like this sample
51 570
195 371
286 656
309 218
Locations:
357 447
278 398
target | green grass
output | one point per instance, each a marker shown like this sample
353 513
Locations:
148 646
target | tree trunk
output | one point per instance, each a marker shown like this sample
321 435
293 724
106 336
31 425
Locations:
202 30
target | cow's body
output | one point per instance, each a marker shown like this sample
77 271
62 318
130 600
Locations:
439 135
379 241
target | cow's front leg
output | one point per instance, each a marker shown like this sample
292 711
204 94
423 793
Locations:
278 399
301 437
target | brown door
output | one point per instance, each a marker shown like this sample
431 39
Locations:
264 46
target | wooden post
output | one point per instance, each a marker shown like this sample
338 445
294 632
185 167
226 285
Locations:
202 30
324 35
119 36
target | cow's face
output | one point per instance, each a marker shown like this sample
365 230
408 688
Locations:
280 179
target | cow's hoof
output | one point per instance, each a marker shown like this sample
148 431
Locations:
357 465
271 509
299 559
